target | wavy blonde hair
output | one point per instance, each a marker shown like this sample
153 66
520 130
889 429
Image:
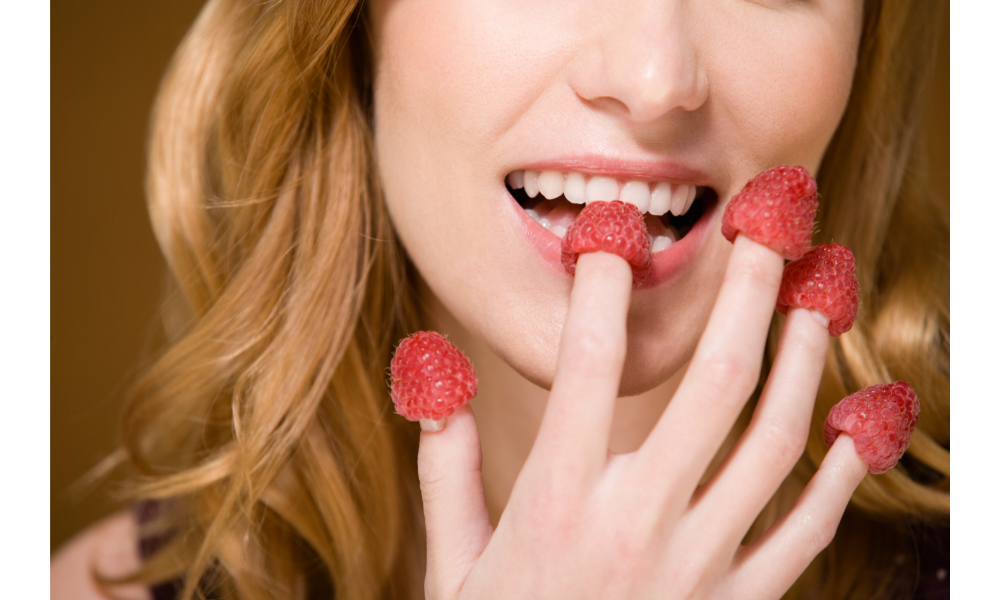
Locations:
265 429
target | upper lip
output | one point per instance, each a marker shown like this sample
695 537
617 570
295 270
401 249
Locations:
625 170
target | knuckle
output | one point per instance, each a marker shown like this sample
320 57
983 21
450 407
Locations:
552 516
758 270
596 353
820 533
730 376
784 445
431 483
630 557
554 502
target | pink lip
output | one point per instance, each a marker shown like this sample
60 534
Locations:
667 264
643 170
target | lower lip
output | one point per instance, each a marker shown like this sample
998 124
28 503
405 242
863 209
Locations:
667 264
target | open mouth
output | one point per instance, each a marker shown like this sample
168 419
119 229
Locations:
554 199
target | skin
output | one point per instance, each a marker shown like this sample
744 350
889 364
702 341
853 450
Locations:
601 496
107 547
468 92
695 83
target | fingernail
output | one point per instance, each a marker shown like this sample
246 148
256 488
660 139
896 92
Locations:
432 425
821 318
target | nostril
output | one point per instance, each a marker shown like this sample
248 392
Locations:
606 104
645 75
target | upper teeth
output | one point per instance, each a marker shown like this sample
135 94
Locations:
648 196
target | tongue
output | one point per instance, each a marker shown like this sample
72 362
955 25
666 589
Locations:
559 212
654 225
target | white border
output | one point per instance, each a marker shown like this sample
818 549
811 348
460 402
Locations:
24 294
975 293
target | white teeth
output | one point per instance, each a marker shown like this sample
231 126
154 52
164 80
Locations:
661 242
575 188
601 189
550 184
678 198
659 199
692 191
531 183
682 198
544 221
637 193
516 180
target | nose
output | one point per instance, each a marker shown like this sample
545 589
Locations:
641 62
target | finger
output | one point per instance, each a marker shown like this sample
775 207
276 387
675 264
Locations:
772 564
449 465
776 437
573 436
722 374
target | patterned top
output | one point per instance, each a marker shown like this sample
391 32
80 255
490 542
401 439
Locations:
935 576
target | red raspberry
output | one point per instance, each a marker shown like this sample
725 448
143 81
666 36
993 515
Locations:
776 208
615 227
431 378
824 280
881 419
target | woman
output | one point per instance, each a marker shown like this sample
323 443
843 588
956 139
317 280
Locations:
295 142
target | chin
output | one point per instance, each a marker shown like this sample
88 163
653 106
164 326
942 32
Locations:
659 346
647 367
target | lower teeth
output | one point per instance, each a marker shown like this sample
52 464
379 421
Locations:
661 242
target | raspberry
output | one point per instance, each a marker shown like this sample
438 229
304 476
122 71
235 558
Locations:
776 208
881 419
431 378
614 227
824 280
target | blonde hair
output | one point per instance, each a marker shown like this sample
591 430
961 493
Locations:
265 427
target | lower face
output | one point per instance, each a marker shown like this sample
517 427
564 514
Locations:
496 121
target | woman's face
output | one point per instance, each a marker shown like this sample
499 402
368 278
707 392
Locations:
653 101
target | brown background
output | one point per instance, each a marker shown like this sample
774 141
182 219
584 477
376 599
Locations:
107 58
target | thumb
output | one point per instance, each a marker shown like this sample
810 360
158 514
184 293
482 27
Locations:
449 465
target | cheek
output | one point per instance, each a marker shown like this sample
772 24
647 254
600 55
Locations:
452 78
459 72
422 131
788 88
436 104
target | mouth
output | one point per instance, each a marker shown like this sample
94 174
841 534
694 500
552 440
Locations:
554 199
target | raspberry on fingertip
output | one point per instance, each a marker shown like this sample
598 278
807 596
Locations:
881 419
823 280
431 379
616 227
777 208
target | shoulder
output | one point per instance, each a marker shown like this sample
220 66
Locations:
109 547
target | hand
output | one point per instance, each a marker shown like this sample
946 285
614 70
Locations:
584 523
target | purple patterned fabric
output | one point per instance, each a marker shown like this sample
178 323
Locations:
934 584
935 565
144 513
